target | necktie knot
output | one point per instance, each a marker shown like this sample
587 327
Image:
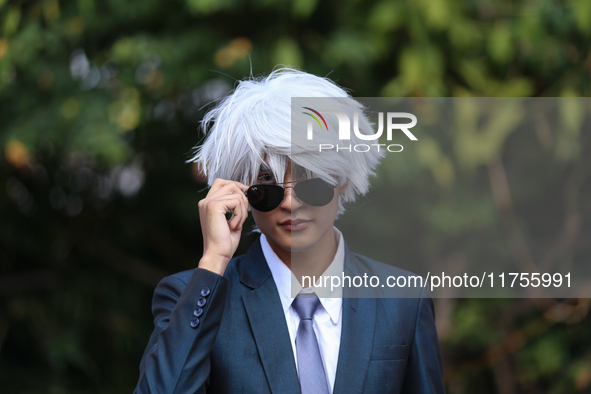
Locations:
305 305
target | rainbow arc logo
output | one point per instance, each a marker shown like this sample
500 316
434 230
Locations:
315 118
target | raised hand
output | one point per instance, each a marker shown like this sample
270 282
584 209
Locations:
221 236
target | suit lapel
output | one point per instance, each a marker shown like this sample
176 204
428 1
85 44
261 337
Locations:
266 319
267 322
359 319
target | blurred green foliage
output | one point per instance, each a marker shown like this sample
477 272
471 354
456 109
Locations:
99 107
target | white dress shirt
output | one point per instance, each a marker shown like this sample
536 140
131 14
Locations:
327 320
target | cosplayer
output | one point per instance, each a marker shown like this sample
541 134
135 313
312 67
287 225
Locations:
231 325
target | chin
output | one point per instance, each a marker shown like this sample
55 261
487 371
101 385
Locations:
300 245
292 245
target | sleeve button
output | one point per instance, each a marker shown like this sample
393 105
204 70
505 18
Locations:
205 292
201 303
198 312
194 322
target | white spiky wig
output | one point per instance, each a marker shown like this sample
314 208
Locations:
253 123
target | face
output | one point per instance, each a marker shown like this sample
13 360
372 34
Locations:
295 226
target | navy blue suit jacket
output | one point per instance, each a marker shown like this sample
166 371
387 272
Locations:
241 343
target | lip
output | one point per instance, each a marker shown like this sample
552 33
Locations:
295 224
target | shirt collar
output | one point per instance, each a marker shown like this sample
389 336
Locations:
284 278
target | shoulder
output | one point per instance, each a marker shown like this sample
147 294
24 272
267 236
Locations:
379 268
390 281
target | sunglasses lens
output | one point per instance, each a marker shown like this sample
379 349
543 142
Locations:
265 198
314 192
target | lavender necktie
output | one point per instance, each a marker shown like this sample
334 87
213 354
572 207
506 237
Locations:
310 366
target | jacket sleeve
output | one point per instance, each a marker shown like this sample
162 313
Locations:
424 372
187 318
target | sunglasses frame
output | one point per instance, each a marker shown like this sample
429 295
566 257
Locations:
290 187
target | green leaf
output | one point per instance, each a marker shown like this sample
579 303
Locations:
303 8
288 52
11 21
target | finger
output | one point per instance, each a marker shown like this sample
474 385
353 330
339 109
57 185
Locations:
220 183
235 222
228 197
229 187
240 210
240 215
243 212
223 204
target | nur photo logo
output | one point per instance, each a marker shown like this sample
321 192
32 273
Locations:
344 130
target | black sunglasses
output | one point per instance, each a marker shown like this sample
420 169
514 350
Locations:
314 192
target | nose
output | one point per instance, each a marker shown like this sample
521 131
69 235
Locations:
289 202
